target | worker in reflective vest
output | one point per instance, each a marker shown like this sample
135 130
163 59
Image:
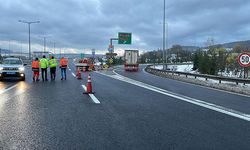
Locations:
44 65
35 68
52 65
63 66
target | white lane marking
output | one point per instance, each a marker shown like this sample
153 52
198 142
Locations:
204 104
203 86
69 69
5 90
73 74
84 87
94 99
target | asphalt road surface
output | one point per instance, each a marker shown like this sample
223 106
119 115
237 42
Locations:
129 110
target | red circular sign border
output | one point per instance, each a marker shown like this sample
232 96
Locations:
242 65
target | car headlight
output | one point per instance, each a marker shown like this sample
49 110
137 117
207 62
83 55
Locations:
1 68
21 68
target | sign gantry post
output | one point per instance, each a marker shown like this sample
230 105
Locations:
123 38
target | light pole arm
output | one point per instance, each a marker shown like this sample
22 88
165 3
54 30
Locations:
29 23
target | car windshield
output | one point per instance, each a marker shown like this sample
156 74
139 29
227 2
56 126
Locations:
12 61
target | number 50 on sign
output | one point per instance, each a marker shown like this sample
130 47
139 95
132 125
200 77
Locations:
244 59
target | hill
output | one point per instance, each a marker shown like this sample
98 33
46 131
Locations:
245 44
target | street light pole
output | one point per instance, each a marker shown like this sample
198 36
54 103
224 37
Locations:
29 43
60 52
44 44
21 49
164 36
54 48
29 23
167 44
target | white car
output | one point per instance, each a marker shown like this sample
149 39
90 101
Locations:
12 68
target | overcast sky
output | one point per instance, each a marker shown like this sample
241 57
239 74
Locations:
77 25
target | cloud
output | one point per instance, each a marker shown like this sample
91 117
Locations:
85 24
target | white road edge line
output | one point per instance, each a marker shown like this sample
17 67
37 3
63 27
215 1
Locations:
210 88
204 104
94 99
5 90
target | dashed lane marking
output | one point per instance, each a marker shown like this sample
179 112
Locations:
73 74
92 96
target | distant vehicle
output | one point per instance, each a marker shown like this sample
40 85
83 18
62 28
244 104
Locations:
131 60
12 68
84 64
98 65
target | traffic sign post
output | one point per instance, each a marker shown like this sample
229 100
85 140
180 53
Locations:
111 49
124 38
244 59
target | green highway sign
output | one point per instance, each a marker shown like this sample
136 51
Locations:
124 38
82 55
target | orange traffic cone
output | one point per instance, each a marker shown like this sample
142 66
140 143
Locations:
89 86
78 74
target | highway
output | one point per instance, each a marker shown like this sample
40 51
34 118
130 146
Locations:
129 110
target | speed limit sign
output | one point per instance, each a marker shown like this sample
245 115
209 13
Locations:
244 59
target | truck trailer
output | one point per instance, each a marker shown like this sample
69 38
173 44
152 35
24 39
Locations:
131 60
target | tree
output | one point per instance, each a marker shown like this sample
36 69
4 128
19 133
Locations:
196 59
213 66
208 62
232 64
221 59
204 63
238 49
180 54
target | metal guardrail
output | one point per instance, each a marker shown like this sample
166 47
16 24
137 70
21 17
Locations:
206 77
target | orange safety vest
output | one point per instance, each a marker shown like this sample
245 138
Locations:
64 62
35 64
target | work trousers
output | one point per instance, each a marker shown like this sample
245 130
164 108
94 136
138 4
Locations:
36 75
53 73
44 74
63 73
